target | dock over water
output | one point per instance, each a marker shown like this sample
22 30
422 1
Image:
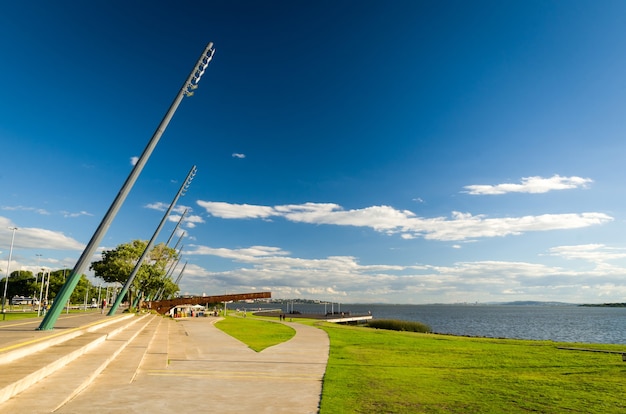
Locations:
337 317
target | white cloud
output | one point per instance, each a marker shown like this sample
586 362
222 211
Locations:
465 226
337 277
158 206
41 211
597 253
238 155
385 219
249 254
533 185
236 211
35 238
67 214
190 221
134 160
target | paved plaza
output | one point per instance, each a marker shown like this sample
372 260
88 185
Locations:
179 365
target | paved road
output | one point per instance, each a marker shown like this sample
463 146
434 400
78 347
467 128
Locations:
188 365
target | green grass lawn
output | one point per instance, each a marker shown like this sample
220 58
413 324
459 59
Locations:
400 372
377 371
26 313
12 316
256 333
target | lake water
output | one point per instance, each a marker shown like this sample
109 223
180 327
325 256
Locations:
556 323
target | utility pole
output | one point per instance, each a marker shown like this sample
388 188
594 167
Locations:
191 83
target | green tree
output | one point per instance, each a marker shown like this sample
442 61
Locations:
58 279
24 283
117 265
21 283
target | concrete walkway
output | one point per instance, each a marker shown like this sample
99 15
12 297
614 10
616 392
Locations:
188 365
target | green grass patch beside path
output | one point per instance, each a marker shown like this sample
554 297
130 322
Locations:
13 316
257 334
376 371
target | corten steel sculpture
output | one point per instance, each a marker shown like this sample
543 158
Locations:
164 306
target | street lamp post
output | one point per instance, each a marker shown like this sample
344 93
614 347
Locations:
37 274
6 281
47 287
43 281
191 83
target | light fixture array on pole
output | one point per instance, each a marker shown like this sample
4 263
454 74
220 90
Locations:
191 83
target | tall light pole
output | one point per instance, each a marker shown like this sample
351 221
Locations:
6 281
191 83
37 274
180 192
43 281
47 286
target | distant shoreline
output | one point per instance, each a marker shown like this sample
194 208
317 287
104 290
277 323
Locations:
605 305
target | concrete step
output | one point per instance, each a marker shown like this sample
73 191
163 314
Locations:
157 351
124 368
26 341
68 382
50 356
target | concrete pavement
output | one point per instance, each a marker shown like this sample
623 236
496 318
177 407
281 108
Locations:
188 364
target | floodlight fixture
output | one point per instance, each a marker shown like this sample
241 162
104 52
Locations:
199 70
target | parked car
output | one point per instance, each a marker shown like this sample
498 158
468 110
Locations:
24 300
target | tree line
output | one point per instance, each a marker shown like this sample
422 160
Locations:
153 279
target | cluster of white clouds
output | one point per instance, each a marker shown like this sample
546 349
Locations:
189 220
271 268
386 219
533 185
44 212
341 278
261 268
41 211
31 237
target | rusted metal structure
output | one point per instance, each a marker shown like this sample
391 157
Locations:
163 306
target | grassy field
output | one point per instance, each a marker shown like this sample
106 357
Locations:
398 372
28 313
377 371
255 333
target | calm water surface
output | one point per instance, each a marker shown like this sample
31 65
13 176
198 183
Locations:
556 323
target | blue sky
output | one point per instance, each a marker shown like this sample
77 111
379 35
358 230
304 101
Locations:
400 152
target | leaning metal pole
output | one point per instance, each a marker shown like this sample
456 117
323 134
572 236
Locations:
68 287
131 278
180 276
182 216
168 275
